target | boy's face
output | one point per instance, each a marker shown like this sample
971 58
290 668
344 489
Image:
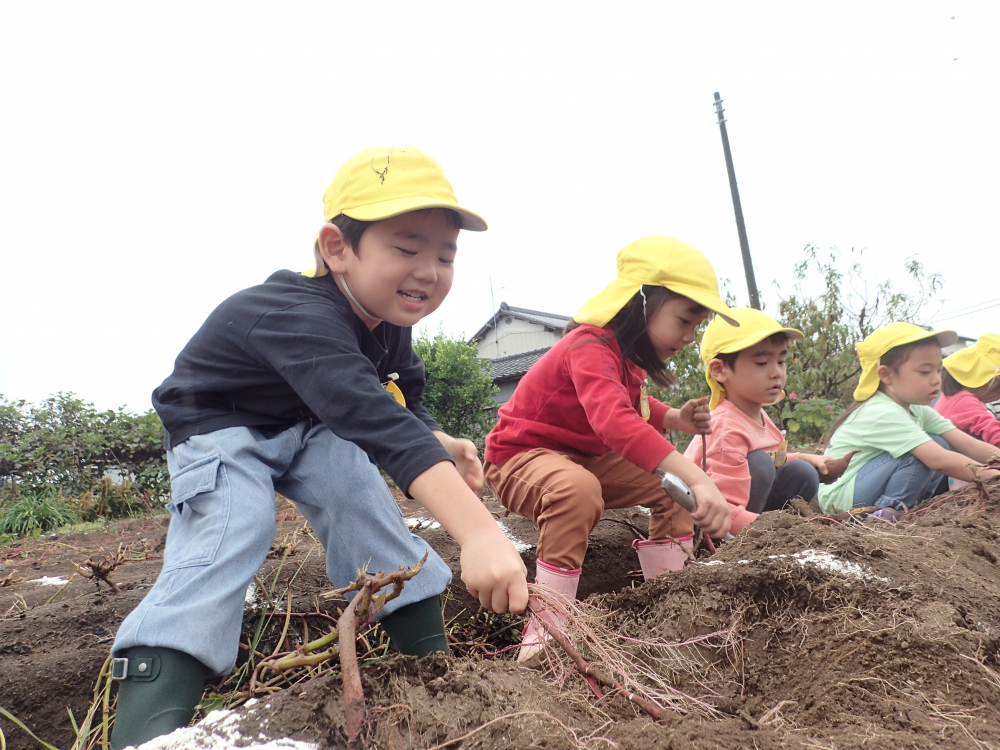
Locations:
672 327
917 380
756 378
403 269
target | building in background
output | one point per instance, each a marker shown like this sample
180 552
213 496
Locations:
512 340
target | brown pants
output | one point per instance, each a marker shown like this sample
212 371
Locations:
566 493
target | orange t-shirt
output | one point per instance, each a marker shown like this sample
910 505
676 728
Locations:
733 436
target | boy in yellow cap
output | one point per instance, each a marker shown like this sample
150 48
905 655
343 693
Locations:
745 453
971 378
580 434
904 447
283 389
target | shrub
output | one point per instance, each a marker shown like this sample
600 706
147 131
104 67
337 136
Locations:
459 395
67 444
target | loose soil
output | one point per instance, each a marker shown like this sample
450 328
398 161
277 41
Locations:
804 632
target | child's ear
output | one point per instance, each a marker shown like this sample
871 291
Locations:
718 370
885 374
333 247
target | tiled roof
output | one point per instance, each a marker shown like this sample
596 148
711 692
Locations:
546 319
549 320
513 366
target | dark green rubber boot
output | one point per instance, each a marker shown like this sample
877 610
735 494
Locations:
158 689
417 629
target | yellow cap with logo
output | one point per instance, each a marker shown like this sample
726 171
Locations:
878 342
976 365
384 182
722 338
656 261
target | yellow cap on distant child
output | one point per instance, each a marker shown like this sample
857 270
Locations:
878 342
722 338
978 364
384 182
656 261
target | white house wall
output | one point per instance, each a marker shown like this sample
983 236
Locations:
516 343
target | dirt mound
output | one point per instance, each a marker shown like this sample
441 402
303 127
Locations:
805 631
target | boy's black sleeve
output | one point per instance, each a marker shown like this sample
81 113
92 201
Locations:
319 357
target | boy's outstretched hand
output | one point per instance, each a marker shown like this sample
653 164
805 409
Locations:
818 462
693 417
491 568
466 457
494 573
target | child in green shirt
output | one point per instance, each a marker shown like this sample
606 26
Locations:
905 447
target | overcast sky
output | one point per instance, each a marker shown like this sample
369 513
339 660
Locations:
157 157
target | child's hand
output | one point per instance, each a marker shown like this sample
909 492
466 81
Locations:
713 515
819 462
491 568
466 458
693 418
494 573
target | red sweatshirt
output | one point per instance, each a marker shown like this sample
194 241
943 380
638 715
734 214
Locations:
969 415
581 397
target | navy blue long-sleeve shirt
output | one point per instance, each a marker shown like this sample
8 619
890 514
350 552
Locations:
292 349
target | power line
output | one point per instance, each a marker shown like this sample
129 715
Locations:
968 312
961 310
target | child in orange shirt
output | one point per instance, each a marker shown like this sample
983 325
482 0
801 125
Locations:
745 369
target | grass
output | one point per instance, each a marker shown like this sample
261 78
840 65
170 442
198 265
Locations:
35 512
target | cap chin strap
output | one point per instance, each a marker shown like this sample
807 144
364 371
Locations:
347 291
643 293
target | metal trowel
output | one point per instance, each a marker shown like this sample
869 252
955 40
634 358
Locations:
681 494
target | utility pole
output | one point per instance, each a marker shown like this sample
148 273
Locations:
740 227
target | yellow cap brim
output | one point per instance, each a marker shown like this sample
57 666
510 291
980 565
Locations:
398 206
600 309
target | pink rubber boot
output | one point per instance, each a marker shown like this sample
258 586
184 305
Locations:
657 556
561 580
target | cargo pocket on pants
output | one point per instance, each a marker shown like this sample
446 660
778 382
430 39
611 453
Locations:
200 506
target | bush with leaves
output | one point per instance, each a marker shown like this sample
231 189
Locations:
459 394
65 444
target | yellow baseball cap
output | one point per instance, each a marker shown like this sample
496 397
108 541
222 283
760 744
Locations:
657 261
878 342
721 338
384 182
978 364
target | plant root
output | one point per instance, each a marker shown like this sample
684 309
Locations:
99 570
591 674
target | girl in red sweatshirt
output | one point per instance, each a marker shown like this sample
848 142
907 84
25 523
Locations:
971 378
580 434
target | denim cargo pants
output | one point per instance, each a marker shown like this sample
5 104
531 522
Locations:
223 524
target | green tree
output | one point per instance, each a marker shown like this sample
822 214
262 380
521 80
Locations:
65 444
835 306
459 394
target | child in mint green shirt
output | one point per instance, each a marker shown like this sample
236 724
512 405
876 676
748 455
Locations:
905 447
